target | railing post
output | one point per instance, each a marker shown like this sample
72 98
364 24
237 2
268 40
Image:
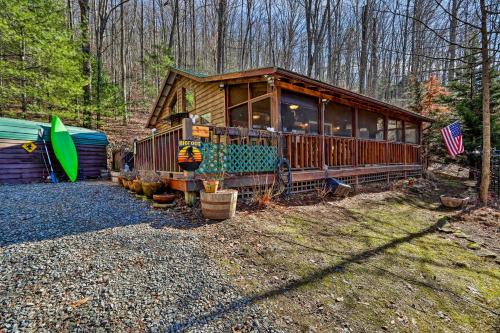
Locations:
187 133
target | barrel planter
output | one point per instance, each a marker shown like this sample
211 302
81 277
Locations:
220 205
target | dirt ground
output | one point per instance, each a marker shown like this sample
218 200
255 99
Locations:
383 260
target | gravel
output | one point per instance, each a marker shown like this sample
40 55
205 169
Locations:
91 257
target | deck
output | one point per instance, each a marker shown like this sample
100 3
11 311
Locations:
353 160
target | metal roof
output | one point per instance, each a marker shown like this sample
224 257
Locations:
19 129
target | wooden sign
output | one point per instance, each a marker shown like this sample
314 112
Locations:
189 157
201 131
29 147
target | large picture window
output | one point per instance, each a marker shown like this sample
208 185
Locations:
338 119
411 133
395 130
299 113
249 105
370 125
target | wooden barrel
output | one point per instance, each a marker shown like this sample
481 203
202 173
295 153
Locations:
220 205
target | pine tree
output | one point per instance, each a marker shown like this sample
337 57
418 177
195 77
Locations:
39 61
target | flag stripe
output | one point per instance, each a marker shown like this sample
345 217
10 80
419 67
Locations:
453 139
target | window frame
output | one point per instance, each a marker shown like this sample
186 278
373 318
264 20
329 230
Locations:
417 132
248 102
318 111
403 124
384 127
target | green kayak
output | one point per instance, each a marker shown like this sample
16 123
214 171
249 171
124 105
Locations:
64 148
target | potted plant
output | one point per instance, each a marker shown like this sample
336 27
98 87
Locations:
151 184
212 182
127 178
217 203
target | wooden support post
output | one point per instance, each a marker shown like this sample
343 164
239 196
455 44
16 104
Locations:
187 133
322 164
355 134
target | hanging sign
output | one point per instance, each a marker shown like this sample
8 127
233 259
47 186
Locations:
201 131
189 157
29 146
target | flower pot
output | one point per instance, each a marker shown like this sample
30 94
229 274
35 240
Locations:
210 186
452 202
115 176
164 198
151 188
136 186
220 205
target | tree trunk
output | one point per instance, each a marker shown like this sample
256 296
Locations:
453 37
86 66
485 169
122 64
363 61
221 25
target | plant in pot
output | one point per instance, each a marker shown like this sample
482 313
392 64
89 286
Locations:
127 179
137 185
213 181
151 184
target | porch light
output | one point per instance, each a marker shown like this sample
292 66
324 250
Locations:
256 116
293 107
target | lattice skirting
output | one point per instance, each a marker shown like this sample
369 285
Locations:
312 185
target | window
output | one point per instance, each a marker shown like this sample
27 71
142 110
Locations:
411 133
239 116
338 120
249 98
173 106
261 114
238 94
258 89
206 119
299 113
370 125
395 130
190 101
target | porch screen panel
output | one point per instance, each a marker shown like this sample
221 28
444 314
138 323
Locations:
239 116
299 113
338 120
238 93
261 114
411 133
395 130
370 125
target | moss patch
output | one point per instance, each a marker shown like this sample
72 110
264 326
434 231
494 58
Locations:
369 264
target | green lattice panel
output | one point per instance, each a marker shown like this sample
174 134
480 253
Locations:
232 158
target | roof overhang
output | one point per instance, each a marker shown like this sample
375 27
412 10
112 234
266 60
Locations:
294 77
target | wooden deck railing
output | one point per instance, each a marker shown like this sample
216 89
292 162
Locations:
304 151
159 155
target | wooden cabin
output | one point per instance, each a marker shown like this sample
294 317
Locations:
320 129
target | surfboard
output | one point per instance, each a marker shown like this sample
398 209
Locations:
64 148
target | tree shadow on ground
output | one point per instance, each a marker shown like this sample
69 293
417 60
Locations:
359 258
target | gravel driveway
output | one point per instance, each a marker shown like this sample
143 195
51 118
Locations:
90 257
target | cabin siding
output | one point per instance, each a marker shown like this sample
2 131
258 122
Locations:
208 98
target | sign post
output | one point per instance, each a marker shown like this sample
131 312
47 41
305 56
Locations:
187 134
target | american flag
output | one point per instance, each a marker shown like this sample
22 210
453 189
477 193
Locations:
452 136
